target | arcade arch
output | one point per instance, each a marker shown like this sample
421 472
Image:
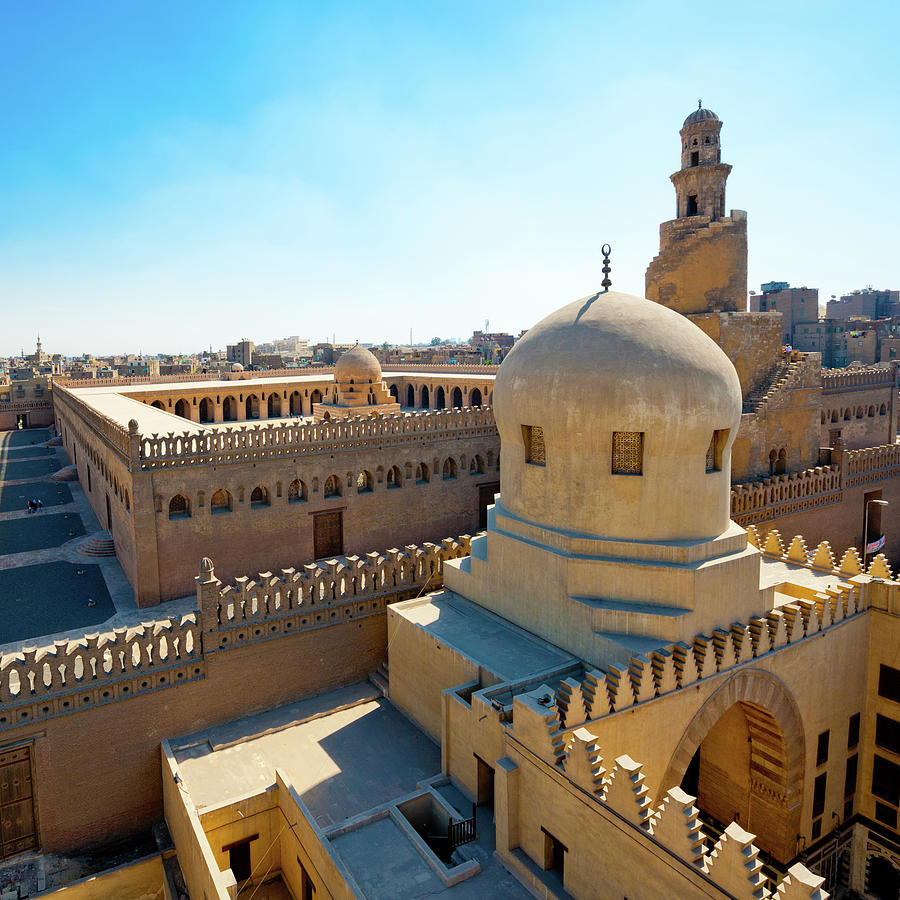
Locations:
742 757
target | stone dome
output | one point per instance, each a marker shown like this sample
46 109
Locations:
700 115
237 367
617 371
359 366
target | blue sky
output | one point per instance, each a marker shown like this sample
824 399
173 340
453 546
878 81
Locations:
175 175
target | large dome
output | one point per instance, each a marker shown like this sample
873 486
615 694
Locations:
700 115
635 410
358 366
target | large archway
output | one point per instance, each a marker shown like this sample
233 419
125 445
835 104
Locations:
206 410
742 757
229 409
457 398
274 406
183 409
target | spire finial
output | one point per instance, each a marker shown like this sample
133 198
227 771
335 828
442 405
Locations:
699 104
606 283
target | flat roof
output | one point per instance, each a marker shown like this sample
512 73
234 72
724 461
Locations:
776 571
332 747
506 650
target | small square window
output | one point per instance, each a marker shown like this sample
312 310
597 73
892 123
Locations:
715 450
628 453
533 435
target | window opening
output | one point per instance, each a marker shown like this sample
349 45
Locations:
628 453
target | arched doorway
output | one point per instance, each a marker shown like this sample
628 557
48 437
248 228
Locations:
315 396
781 464
274 406
457 398
182 409
410 396
475 397
882 878
742 757
425 398
440 399
206 410
229 409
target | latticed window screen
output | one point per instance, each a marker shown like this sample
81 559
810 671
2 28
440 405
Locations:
534 445
628 453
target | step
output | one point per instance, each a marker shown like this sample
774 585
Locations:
98 545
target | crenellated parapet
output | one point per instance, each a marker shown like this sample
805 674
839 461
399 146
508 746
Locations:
99 667
319 594
872 464
780 495
68 675
291 439
731 861
111 433
836 381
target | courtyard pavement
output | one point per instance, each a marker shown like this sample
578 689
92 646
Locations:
48 589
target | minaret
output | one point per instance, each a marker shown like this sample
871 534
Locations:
700 185
702 263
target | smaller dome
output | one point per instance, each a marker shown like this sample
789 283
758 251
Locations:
237 367
700 115
359 366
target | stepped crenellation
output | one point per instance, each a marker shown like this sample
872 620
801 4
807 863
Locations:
731 861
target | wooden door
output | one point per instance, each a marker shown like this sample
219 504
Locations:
17 825
328 534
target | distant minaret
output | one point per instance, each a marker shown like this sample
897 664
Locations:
39 355
700 185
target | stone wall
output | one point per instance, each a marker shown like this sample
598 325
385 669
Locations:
859 407
95 710
701 266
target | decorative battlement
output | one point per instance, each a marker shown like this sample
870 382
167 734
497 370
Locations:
319 594
101 667
807 613
111 433
835 381
783 494
731 862
288 439
779 495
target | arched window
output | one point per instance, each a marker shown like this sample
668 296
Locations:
441 399
182 409
259 496
449 470
457 398
158 404
364 483
475 397
296 491
859 412
834 416
315 396
394 479
220 502
848 414
229 409
332 486
773 459
410 396
871 411
426 397
179 507
882 410
422 476
823 416
476 466
781 465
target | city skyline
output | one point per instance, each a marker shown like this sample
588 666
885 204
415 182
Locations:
180 176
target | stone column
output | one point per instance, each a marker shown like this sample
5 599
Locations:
218 412
506 805
241 408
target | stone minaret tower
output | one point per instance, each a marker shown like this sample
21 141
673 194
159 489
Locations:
700 185
702 262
